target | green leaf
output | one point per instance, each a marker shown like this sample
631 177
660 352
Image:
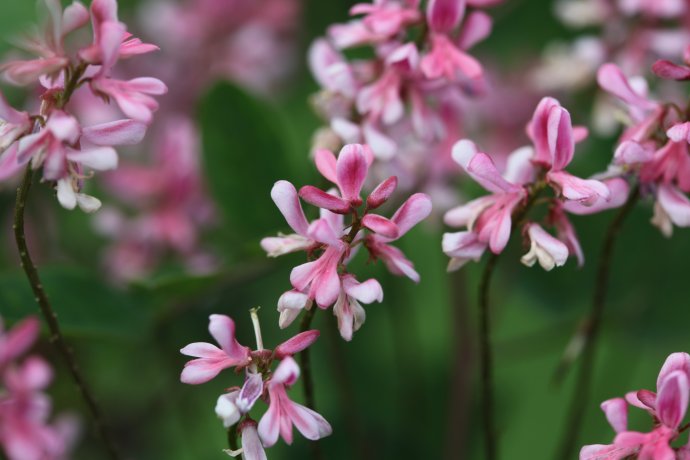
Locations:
84 305
245 152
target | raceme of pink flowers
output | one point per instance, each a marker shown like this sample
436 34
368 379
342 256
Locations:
346 223
53 138
261 382
667 407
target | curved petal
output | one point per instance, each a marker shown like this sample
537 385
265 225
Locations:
222 328
351 170
616 411
296 344
119 132
321 199
381 225
285 197
413 211
672 400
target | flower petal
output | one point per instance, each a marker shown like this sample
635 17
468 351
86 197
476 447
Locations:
351 170
285 197
381 226
296 344
321 199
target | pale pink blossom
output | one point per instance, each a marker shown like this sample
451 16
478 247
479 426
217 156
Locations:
545 249
348 309
211 359
283 413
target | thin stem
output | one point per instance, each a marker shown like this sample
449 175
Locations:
305 361
308 378
485 351
460 398
590 331
486 360
56 337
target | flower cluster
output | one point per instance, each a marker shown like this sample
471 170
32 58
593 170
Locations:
653 149
330 242
261 382
25 430
54 139
407 100
530 170
667 408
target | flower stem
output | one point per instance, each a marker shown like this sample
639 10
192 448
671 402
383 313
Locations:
485 351
486 360
307 377
56 337
590 331
305 361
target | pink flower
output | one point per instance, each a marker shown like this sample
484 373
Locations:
252 448
545 249
211 359
283 413
489 218
348 309
667 407
17 341
13 124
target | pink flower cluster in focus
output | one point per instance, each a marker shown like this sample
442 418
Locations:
25 430
667 407
529 170
261 383
331 242
54 139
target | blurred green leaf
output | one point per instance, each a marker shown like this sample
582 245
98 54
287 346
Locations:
85 306
245 153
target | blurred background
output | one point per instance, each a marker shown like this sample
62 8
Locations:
239 117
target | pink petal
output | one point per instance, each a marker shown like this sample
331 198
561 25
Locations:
612 79
321 231
476 28
463 245
366 292
321 199
147 85
560 138
74 17
631 152
549 251
286 373
382 192
120 132
674 362
538 130
414 210
296 344
326 164
269 425
616 411
679 132
670 71
672 400
585 191
351 171
99 159
111 35
10 115
222 328
200 371
251 391
445 15
308 422
252 449
17 341
481 168
618 195
675 203
27 72
64 127
203 350
9 162
381 226
286 199
396 262
500 234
